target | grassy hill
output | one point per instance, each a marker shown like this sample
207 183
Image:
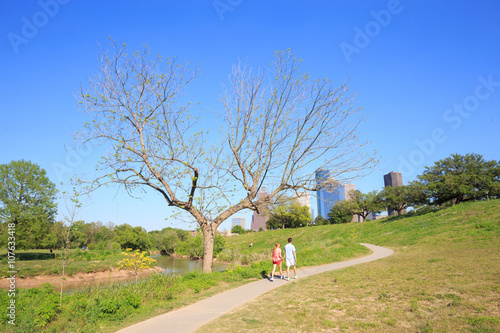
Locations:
443 277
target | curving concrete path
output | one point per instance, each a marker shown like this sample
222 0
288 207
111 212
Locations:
191 317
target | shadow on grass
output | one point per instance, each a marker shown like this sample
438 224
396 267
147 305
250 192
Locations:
421 211
34 256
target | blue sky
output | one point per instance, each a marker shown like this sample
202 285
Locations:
426 73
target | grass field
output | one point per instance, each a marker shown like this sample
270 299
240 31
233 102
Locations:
443 277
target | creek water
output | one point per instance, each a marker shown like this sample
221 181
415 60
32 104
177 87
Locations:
181 265
170 265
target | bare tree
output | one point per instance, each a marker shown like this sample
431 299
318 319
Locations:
277 127
73 208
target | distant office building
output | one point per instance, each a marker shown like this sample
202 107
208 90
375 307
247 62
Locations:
303 198
325 196
330 192
393 179
238 221
258 219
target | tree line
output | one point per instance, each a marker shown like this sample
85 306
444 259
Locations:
28 201
449 181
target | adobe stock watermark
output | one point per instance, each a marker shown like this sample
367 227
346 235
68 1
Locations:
222 6
12 272
74 158
363 37
31 25
455 117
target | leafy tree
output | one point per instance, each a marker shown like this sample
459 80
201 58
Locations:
341 212
289 214
320 220
132 237
79 236
27 199
136 261
363 204
396 198
237 229
460 178
417 194
166 240
276 124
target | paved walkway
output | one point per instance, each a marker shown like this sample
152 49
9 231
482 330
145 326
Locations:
191 317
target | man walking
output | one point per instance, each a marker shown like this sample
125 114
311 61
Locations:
291 259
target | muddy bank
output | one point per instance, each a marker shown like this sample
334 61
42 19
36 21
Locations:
79 279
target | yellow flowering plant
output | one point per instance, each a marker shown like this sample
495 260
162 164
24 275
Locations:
136 261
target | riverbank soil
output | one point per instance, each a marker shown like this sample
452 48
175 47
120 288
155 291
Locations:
79 279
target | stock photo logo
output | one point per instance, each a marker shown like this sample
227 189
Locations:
31 25
74 158
222 6
455 117
363 37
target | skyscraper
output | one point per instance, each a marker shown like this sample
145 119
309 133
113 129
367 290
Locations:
258 219
303 198
330 192
325 196
393 179
238 221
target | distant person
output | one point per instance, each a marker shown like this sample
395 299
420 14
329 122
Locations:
277 258
251 244
51 251
291 259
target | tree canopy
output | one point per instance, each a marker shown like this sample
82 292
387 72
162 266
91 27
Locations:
461 178
341 212
27 199
363 204
289 214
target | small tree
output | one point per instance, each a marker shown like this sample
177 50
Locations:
136 261
237 229
320 220
364 204
288 214
73 208
341 213
395 198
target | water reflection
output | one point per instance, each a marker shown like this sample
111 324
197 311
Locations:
180 266
177 266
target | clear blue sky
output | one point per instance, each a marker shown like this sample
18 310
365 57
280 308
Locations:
427 74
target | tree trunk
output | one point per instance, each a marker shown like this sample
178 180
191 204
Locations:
208 246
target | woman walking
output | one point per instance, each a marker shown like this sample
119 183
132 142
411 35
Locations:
277 258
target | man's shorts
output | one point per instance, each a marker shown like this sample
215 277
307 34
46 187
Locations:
290 262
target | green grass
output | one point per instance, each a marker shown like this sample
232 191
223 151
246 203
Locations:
443 277
30 263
